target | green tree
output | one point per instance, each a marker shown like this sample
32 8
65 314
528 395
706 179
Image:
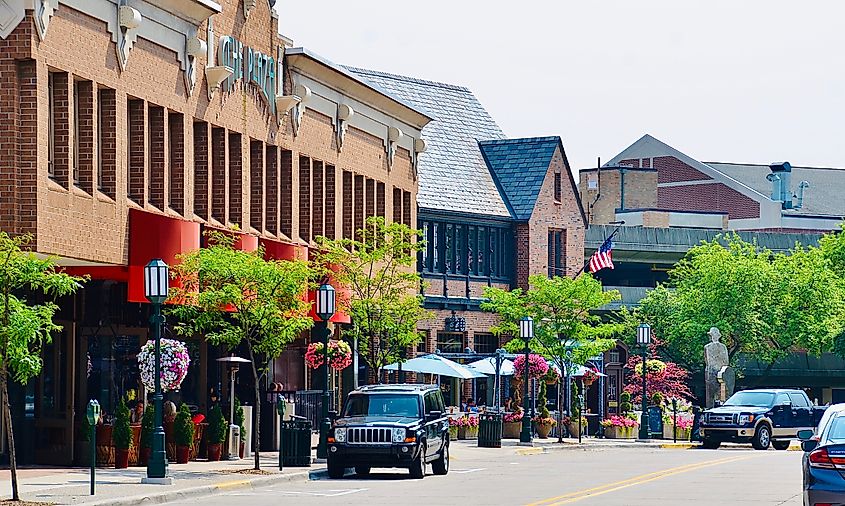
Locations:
763 303
25 326
237 297
378 269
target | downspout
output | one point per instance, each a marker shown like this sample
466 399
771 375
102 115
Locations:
598 195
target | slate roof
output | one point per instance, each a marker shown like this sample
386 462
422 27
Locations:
452 173
824 197
520 167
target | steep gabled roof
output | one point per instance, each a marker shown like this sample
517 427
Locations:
452 173
520 167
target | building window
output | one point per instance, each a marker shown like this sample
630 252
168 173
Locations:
462 249
422 346
557 253
450 342
76 133
486 343
557 187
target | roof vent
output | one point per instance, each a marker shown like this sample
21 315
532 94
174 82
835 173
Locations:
781 183
803 185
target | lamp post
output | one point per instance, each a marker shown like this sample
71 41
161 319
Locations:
567 394
526 332
325 310
156 287
644 339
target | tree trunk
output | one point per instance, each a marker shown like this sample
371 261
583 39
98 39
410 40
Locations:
7 415
256 421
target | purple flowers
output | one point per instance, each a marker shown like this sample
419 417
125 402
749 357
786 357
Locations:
174 364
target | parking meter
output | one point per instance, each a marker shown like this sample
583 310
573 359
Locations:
281 406
92 413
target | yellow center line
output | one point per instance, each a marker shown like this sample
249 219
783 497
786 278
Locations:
636 480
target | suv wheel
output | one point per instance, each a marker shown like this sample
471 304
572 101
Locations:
711 444
418 465
781 445
762 437
441 465
362 470
335 469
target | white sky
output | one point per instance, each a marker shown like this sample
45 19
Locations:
739 80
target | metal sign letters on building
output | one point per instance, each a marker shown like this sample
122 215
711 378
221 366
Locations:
249 65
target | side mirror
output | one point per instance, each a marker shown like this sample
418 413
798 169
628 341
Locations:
717 404
805 434
434 415
809 445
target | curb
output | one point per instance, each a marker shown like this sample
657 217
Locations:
166 496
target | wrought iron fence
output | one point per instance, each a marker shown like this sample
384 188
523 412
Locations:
309 404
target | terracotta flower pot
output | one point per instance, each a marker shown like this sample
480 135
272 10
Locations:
215 450
511 430
543 429
183 453
145 455
121 458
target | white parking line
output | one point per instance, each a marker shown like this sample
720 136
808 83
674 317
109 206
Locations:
327 493
465 471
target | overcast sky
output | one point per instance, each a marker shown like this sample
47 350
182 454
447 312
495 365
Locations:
740 80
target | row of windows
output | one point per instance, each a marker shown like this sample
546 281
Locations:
557 253
453 342
462 249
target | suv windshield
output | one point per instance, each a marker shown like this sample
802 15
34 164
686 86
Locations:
382 405
758 399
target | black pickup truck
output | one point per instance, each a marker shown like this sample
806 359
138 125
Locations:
760 417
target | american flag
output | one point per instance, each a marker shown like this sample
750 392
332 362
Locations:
602 258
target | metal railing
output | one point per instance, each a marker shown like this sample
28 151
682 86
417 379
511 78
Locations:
309 405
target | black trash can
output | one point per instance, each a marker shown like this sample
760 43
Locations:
489 430
295 443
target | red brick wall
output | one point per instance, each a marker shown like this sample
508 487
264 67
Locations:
317 203
272 189
219 188
201 168
107 125
331 204
671 170
137 151
85 133
27 159
286 193
348 204
708 197
176 161
256 185
236 180
157 163
61 128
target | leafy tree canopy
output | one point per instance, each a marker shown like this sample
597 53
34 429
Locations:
377 267
562 309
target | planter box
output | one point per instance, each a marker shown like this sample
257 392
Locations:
615 432
467 432
511 430
453 432
683 434
543 429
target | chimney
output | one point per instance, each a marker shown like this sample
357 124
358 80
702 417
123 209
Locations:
781 183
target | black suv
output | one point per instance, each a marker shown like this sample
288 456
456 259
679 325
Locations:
390 426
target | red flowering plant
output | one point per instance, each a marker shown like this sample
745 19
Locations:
464 421
516 416
665 378
537 366
590 376
340 355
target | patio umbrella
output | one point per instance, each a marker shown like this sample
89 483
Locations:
435 364
488 366
580 370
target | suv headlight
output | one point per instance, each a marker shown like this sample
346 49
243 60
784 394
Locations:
744 419
399 435
340 435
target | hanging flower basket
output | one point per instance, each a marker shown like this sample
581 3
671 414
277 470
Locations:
551 377
590 377
537 366
340 355
174 364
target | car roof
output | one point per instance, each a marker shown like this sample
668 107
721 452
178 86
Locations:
773 390
396 388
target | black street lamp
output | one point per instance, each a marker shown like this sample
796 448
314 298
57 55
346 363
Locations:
325 309
156 287
526 332
644 339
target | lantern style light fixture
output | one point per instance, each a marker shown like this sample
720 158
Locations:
325 306
156 290
325 302
526 333
644 339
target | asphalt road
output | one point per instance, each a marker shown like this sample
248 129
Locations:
610 476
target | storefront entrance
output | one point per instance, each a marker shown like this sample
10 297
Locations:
54 387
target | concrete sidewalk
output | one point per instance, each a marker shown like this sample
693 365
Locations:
587 443
122 487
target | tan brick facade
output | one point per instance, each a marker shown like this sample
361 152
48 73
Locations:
137 139
605 196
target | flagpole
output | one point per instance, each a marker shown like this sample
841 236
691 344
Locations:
619 223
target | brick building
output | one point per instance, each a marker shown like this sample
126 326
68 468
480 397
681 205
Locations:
492 210
131 128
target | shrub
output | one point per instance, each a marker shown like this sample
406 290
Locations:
239 417
148 426
574 408
122 432
216 426
657 399
625 405
184 427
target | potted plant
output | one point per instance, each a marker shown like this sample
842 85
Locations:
625 405
184 434
537 366
620 427
512 424
467 427
571 421
453 429
147 429
239 421
216 433
551 377
543 422
122 435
